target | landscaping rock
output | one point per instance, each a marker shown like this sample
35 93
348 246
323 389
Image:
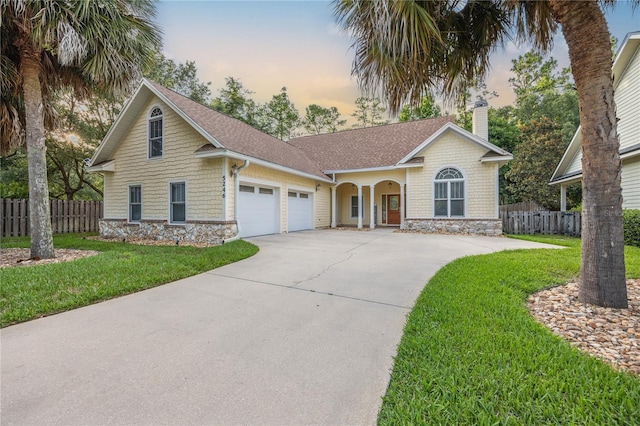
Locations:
609 334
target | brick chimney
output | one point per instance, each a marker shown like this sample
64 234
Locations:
480 121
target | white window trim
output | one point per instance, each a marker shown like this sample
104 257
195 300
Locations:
463 180
184 181
129 202
159 157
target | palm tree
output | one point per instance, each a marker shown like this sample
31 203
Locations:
47 45
409 47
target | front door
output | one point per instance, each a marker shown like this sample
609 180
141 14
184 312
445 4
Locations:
393 209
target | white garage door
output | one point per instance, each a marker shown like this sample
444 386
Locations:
300 213
257 210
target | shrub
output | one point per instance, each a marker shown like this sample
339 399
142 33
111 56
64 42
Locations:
631 224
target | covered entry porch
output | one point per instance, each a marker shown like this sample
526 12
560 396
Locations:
377 203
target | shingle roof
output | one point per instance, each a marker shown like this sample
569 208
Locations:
370 147
239 137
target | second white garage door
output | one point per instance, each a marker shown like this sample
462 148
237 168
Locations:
257 210
300 211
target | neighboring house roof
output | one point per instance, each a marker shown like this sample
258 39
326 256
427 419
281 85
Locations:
371 147
563 172
223 132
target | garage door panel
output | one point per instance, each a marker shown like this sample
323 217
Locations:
300 211
257 210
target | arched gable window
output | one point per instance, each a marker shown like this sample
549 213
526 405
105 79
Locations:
449 193
155 133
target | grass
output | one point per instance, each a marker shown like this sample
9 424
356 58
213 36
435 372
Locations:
472 354
35 291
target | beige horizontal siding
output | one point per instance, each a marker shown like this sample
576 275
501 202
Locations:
178 163
452 150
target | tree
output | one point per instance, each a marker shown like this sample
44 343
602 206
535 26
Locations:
181 77
82 124
369 112
235 101
279 117
426 109
322 120
406 48
48 45
538 152
542 92
14 177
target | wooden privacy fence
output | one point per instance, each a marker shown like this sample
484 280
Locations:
524 206
541 222
66 216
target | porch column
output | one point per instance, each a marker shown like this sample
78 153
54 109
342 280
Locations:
372 222
563 198
333 207
402 206
359 206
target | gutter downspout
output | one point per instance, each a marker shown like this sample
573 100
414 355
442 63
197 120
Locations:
235 172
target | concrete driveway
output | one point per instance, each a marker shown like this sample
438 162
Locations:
302 333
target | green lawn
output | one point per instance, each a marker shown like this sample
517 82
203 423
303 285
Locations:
472 354
33 291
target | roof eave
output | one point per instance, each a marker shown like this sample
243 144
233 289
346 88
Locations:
238 156
108 166
362 170
497 159
630 154
212 154
566 179
409 165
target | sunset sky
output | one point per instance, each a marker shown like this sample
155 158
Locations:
297 44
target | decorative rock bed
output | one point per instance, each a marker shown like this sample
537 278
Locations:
20 256
609 334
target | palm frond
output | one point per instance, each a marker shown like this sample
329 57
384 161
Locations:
86 44
406 49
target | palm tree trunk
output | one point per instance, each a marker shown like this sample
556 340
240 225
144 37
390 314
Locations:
39 213
602 273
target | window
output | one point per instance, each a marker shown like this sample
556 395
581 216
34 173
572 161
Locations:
354 206
449 193
292 194
247 188
135 203
155 133
266 191
304 195
178 202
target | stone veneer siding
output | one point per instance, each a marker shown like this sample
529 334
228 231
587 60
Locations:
489 227
193 231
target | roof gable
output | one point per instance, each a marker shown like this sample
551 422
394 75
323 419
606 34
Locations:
493 150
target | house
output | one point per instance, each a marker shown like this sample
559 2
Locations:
177 170
626 85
